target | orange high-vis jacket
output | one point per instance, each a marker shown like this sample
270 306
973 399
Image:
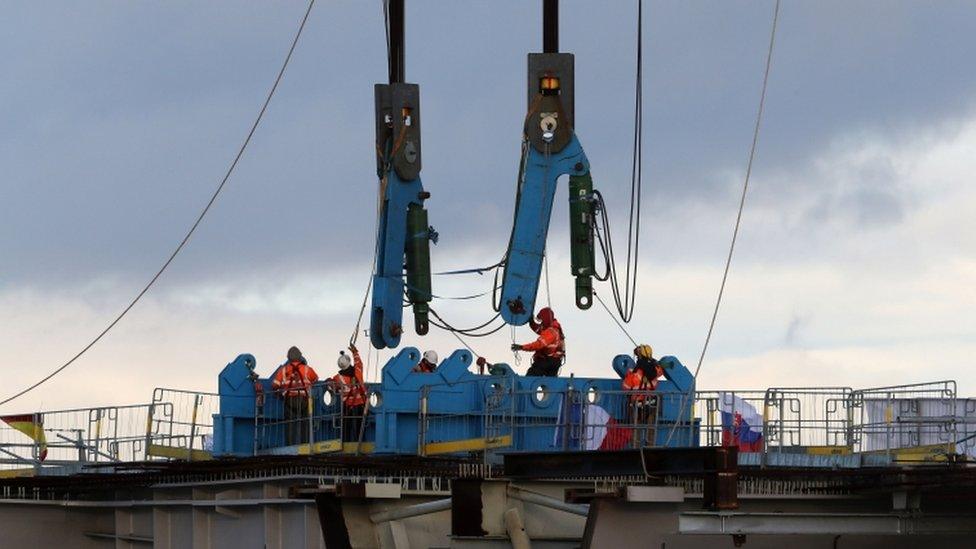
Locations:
635 380
549 344
424 367
294 380
352 389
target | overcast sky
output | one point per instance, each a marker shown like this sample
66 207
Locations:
855 265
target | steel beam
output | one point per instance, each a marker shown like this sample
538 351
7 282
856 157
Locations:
820 523
546 501
425 508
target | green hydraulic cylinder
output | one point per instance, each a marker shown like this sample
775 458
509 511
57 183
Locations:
418 266
581 253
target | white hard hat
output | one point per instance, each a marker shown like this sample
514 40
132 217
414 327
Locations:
431 356
344 361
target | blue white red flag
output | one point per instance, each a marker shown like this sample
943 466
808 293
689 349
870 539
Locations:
742 424
600 431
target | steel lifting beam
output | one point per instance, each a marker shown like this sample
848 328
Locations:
550 150
403 235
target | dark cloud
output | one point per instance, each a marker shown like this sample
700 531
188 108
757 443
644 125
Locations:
121 118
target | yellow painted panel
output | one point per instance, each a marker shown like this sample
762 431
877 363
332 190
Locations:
15 473
828 450
927 453
158 450
332 446
467 445
322 447
350 448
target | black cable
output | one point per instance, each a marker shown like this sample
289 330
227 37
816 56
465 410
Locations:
213 198
444 325
625 298
386 28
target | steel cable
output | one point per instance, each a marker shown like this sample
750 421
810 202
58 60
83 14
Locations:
742 203
203 213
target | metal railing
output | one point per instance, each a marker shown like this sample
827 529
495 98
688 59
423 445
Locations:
807 417
709 406
175 425
180 423
922 415
924 421
494 417
466 416
313 421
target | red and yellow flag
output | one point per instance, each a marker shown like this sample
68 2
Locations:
31 425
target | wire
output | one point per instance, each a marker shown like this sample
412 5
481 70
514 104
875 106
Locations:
742 203
609 312
745 188
626 299
372 272
545 261
213 198
444 325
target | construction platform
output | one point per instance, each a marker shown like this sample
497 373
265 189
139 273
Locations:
671 497
460 458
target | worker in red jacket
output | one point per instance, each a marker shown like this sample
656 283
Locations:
293 384
643 378
352 390
549 348
642 402
427 364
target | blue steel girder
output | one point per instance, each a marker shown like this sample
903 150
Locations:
386 317
537 189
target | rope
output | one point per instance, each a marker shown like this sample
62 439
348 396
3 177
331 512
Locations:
617 322
545 261
745 188
742 203
626 299
376 227
475 353
193 228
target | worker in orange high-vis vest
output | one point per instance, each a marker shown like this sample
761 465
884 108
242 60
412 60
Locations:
352 390
293 384
642 404
549 348
427 364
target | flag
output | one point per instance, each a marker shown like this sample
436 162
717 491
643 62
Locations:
567 426
31 425
742 425
603 432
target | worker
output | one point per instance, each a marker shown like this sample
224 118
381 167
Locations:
427 364
293 384
550 347
640 382
352 390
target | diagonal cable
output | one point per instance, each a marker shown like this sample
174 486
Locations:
203 213
742 203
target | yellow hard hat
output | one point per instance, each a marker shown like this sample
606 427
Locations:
644 351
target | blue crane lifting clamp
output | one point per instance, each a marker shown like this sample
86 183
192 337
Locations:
550 149
403 235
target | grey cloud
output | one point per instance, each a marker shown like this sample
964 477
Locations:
125 115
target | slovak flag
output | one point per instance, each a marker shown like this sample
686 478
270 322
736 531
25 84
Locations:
600 432
742 425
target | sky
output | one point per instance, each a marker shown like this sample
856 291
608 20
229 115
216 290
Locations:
854 265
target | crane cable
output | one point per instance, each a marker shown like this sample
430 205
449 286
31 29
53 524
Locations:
381 192
213 198
738 217
625 299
